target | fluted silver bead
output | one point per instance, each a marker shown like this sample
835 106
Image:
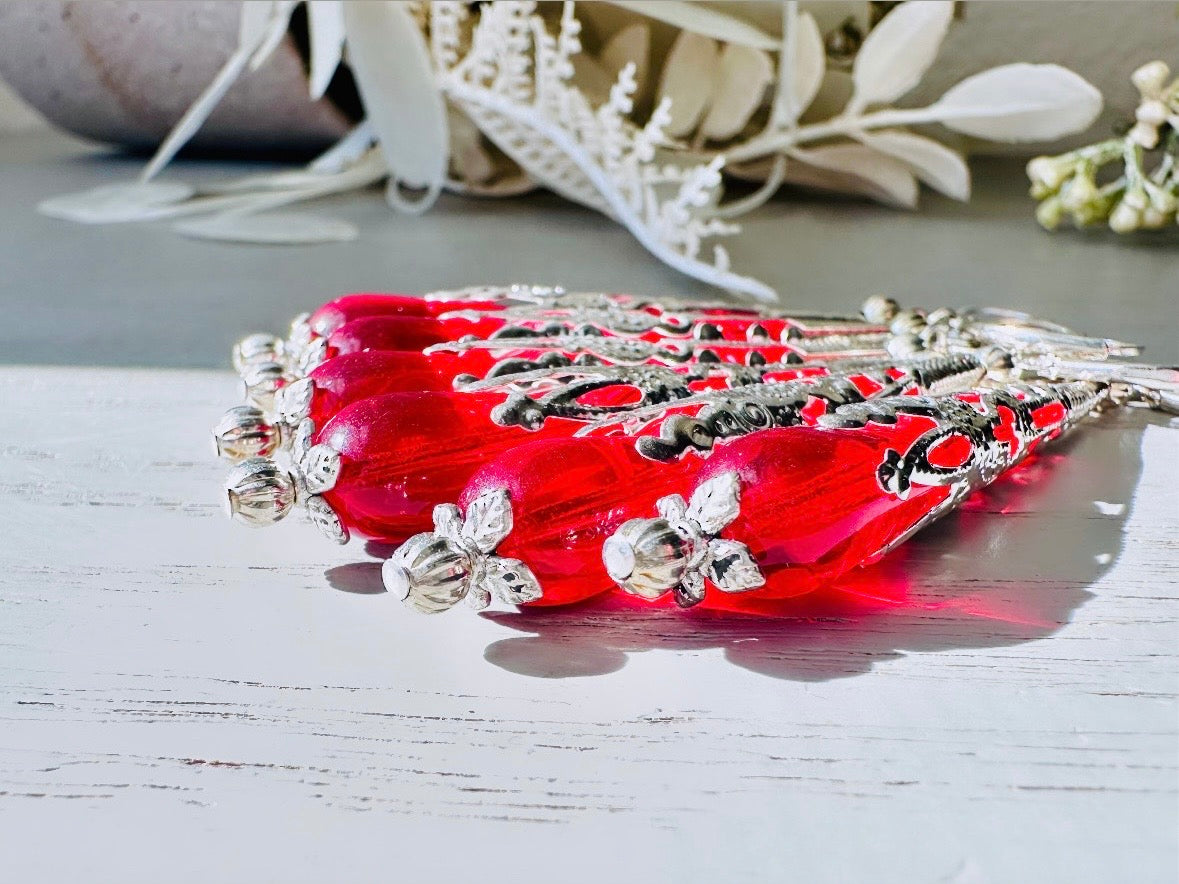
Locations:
262 381
255 349
243 432
429 573
880 310
259 492
646 557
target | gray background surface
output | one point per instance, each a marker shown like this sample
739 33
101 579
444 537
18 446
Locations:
184 699
143 295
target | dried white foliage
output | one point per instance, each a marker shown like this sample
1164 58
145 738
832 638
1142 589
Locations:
498 98
515 84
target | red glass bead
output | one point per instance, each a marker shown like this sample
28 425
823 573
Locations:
811 505
402 453
567 497
329 317
354 376
388 333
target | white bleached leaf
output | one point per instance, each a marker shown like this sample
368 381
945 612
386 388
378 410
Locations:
274 33
393 73
345 152
113 203
269 228
510 580
809 64
631 44
1019 102
899 50
488 519
196 114
854 168
697 19
688 76
325 28
253 21
742 78
715 502
259 35
731 568
522 99
941 168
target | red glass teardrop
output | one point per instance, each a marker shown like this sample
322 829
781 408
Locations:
329 317
568 496
811 505
402 453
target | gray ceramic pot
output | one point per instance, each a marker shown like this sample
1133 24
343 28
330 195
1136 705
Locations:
123 72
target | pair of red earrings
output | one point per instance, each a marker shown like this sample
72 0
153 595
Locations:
541 446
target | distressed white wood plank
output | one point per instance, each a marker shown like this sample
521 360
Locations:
186 699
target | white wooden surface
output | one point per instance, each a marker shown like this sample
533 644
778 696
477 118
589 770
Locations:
184 699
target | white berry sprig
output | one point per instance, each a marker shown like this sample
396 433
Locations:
1140 198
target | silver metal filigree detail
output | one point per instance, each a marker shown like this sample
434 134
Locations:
746 409
1013 406
325 519
261 491
570 386
321 468
433 571
293 401
301 439
682 548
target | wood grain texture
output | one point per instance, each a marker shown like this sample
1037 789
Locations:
185 699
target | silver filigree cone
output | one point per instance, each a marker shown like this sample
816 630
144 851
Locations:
259 492
262 381
244 431
433 571
680 549
255 349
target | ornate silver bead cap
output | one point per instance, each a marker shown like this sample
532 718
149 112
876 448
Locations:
260 492
262 381
293 401
243 432
646 557
682 548
255 349
434 571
